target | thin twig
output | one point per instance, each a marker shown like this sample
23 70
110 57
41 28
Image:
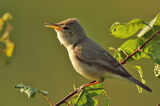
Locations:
123 62
48 99
140 47
68 96
75 92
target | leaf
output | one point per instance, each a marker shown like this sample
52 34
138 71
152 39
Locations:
155 52
107 102
85 100
139 69
86 96
9 48
107 98
117 54
126 30
157 70
155 56
128 47
140 90
5 37
30 92
43 92
7 16
95 90
152 27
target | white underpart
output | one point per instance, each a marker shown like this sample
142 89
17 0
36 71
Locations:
59 37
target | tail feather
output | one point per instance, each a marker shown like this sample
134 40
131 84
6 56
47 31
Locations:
139 84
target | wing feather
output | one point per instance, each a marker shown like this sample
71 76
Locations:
99 58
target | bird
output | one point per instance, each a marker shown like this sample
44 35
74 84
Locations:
87 57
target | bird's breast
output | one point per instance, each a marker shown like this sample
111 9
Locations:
84 69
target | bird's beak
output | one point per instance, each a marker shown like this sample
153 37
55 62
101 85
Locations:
51 25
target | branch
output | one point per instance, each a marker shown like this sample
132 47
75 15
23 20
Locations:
70 95
140 47
48 99
75 92
67 97
123 62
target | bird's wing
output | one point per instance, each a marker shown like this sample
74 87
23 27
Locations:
99 58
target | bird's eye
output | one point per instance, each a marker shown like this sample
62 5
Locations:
65 28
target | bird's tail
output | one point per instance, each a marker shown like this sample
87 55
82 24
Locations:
139 84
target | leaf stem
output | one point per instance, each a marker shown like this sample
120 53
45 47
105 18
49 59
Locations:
48 99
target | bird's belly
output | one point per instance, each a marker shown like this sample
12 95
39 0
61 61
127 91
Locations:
86 70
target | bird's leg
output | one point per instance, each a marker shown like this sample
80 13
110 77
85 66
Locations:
87 85
91 83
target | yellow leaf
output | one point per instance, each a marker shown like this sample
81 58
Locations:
7 16
9 48
1 23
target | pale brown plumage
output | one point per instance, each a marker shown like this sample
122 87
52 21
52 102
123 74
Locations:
87 57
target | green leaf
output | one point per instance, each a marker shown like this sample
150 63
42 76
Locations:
157 70
155 52
152 27
107 102
128 47
30 92
86 96
155 56
126 30
140 90
117 54
107 98
95 90
43 92
139 69
84 99
81 99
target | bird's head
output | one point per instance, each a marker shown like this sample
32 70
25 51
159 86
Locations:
68 31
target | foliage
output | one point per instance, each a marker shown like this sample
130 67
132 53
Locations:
7 45
139 69
30 92
144 31
86 96
127 29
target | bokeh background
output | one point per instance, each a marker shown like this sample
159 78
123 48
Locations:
41 62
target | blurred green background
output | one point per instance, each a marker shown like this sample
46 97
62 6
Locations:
41 62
